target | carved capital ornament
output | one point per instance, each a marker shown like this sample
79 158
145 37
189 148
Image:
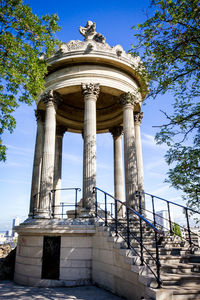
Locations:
116 131
128 98
138 118
51 97
90 89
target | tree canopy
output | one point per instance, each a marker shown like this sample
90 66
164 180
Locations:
169 45
24 37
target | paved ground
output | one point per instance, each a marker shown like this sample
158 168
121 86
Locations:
10 290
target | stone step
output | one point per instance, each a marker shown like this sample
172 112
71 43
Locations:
181 293
181 268
185 280
191 258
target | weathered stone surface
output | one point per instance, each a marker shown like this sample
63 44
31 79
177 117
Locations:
7 262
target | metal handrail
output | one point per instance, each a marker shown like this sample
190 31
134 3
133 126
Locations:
174 233
133 210
127 240
139 193
52 205
185 207
65 189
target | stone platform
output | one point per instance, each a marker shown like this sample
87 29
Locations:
10 290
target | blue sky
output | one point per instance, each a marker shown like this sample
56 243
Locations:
114 20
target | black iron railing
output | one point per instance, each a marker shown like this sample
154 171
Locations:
128 236
186 211
57 210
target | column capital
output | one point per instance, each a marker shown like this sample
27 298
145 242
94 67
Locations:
51 97
116 131
128 99
138 118
90 89
60 130
40 115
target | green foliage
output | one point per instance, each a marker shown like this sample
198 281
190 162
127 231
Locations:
170 44
176 230
23 38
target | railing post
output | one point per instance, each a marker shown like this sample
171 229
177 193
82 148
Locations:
34 208
76 190
158 265
170 222
128 228
157 249
141 232
53 206
106 214
96 206
50 203
188 226
153 208
62 206
116 219
111 208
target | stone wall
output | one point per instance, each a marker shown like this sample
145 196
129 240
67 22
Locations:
75 261
113 269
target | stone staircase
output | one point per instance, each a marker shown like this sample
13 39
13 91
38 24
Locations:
180 265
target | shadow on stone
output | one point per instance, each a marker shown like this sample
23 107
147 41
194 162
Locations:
7 262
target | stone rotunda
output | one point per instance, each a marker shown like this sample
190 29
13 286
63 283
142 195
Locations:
91 88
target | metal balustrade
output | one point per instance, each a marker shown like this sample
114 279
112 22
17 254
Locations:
106 208
186 212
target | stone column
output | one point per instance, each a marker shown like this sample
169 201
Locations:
118 167
37 163
51 99
60 130
128 101
138 118
90 93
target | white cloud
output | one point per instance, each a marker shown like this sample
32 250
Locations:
14 181
154 164
72 158
149 141
19 150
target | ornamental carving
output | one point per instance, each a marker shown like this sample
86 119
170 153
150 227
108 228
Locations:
128 98
51 96
40 115
89 33
116 131
90 89
138 118
72 45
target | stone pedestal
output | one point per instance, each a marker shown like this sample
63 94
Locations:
75 254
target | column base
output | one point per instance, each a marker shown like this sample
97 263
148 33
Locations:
42 214
87 213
